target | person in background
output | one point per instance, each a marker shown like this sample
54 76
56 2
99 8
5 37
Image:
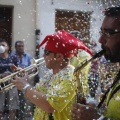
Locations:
55 93
77 60
94 75
9 98
110 43
24 60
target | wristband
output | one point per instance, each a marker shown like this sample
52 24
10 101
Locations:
25 87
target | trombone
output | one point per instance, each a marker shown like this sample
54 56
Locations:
5 83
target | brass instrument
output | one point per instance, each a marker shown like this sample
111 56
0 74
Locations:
80 98
5 83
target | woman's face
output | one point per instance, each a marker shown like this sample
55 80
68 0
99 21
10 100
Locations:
50 59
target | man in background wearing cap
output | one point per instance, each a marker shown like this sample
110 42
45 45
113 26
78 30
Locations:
55 93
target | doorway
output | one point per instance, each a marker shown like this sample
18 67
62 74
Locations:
6 23
74 21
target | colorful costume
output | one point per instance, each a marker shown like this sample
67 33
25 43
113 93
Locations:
60 92
60 88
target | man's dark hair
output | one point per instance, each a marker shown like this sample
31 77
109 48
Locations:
76 33
112 11
3 40
19 41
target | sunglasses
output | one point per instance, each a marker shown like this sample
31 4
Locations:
47 52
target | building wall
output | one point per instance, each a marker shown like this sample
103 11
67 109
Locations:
29 15
24 22
47 15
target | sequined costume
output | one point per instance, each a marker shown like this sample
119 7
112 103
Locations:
60 92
